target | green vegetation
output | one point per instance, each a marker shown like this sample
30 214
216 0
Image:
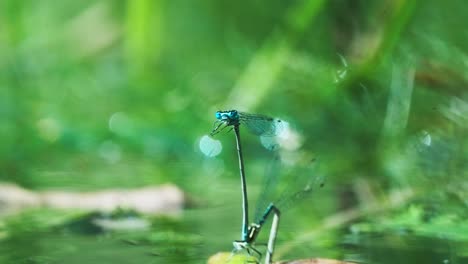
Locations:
106 94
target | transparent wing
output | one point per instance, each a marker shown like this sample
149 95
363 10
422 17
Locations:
287 185
261 125
269 187
306 184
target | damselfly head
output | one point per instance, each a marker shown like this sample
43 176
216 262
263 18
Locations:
227 115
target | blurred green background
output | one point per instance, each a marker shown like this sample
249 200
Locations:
105 94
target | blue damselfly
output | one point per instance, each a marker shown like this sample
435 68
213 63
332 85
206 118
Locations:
257 124
299 182
263 126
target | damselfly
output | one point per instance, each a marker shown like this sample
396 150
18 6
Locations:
265 127
298 184
258 124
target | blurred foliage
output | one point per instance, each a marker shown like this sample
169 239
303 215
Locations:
97 94
416 220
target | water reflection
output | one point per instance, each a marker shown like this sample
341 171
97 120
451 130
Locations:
203 233
403 247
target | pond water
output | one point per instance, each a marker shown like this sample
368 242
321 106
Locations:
200 233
